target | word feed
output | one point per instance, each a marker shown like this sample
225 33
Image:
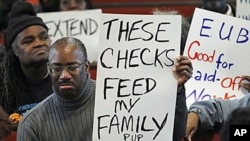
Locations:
138 87
134 53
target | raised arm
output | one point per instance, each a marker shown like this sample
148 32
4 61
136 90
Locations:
183 71
206 115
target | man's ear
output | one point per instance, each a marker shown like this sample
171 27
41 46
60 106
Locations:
14 47
87 67
15 51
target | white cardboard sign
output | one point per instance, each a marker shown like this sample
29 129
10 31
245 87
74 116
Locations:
218 46
136 89
83 25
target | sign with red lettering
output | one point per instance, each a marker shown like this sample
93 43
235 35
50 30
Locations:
218 46
83 25
135 88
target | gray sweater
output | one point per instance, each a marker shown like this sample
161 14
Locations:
213 113
57 119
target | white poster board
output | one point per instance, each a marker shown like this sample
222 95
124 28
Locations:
218 46
83 25
136 89
243 9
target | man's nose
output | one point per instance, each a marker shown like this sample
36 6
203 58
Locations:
65 74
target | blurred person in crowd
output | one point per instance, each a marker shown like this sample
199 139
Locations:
64 5
219 6
5 6
67 5
49 5
210 115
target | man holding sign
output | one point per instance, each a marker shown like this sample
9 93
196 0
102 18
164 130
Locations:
211 114
217 86
68 113
180 112
135 80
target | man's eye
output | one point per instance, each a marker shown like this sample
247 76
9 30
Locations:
27 42
56 68
72 67
44 36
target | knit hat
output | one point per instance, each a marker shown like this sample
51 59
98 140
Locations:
22 15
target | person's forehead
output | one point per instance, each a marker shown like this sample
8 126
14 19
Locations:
68 50
65 48
65 55
32 30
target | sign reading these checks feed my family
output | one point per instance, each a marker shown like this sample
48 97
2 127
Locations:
136 88
218 46
83 25
243 9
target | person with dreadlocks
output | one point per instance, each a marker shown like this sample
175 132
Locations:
24 79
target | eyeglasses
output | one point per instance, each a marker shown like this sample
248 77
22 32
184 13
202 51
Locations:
72 69
66 2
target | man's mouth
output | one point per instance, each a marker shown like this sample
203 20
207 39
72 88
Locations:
41 50
66 86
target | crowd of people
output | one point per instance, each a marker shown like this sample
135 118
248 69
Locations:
48 91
